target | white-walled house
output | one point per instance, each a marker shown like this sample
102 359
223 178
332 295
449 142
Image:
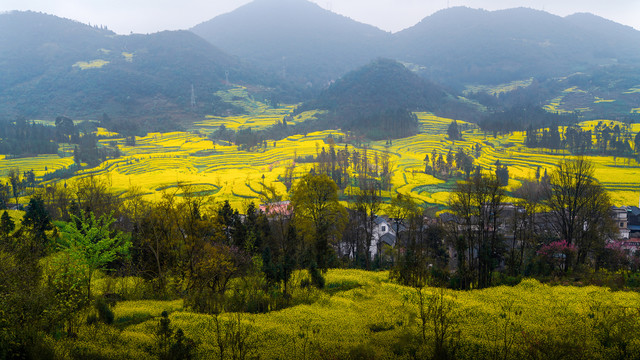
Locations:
383 233
621 218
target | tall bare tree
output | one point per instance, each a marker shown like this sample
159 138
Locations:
367 206
579 208
476 205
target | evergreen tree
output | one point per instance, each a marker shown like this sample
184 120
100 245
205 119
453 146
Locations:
502 173
454 132
6 224
38 222
5 195
426 164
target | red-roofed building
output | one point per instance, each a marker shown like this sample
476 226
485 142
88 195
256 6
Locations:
279 208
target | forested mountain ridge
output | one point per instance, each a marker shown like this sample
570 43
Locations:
56 66
456 46
295 39
52 66
476 46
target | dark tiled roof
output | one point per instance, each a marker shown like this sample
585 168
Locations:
395 227
446 217
388 239
379 220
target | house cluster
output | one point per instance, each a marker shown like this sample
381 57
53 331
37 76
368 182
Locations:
385 231
627 219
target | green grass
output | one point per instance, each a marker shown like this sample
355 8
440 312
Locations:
365 309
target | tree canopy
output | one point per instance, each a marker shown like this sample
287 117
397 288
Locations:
319 216
91 242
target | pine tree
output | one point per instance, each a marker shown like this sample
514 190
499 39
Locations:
454 132
6 224
38 222
426 164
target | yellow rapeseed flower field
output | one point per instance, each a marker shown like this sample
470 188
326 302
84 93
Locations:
160 161
366 308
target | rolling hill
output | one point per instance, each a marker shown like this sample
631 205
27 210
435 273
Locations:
52 66
377 100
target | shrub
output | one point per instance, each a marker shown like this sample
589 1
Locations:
632 280
362 352
316 277
105 314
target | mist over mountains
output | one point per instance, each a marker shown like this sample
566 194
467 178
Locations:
457 45
296 39
290 51
462 45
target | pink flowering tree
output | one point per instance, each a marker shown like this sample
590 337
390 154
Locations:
558 254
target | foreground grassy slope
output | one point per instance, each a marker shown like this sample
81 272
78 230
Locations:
364 309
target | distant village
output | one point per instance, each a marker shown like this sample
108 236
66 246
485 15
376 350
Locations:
386 230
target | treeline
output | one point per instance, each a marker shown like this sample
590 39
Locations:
543 130
88 151
249 139
562 222
363 167
605 139
386 124
520 118
451 164
21 138
390 124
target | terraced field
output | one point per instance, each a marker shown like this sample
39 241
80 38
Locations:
40 165
260 115
160 161
499 89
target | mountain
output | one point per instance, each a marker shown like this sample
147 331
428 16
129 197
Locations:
457 46
378 99
52 66
296 39
462 45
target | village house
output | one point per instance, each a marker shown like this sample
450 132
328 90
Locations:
383 233
620 216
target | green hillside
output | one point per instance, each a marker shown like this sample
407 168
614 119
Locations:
377 100
364 315
53 66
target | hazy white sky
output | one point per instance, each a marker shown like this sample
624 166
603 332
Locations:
147 16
